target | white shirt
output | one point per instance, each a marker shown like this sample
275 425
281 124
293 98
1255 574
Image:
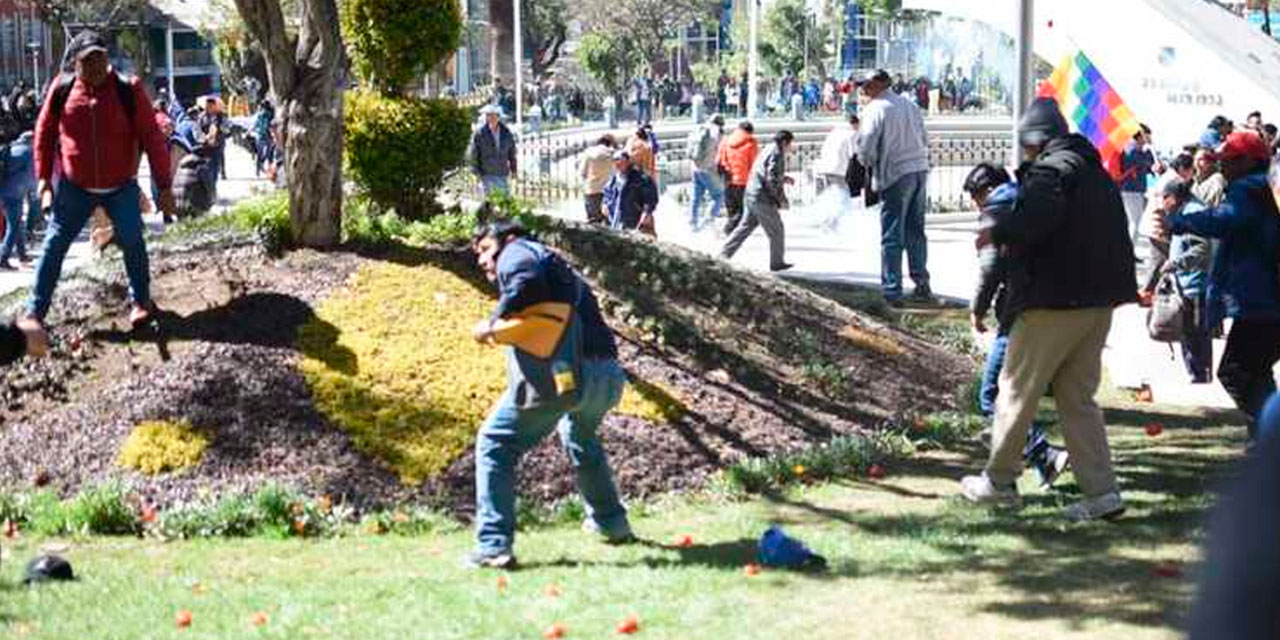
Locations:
838 148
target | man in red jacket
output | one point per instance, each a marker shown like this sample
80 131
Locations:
91 125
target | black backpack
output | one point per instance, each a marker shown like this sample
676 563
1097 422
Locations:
65 81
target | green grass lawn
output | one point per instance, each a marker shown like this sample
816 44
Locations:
907 561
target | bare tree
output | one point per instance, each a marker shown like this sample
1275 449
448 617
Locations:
647 24
307 72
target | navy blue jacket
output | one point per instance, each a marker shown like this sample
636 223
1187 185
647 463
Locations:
994 262
529 273
628 196
1243 282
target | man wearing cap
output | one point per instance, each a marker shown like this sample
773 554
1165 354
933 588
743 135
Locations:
892 143
97 137
703 144
630 196
493 152
1242 284
1076 264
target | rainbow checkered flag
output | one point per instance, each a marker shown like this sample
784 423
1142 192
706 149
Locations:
1089 102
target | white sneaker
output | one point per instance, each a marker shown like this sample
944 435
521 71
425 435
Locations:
1105 507
980 490
621 536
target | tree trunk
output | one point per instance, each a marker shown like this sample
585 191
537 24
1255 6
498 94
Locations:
502 52
306 79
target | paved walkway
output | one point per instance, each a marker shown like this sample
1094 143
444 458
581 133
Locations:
851 253
240 184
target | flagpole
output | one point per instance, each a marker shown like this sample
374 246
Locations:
1024 91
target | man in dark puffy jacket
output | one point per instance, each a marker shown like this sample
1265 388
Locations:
493 152
630 196
1072 233
995 194
1242 284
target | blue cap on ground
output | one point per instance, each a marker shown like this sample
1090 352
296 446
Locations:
777 549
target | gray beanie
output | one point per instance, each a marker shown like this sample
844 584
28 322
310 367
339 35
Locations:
1041 123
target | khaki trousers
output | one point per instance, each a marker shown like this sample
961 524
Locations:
1062 348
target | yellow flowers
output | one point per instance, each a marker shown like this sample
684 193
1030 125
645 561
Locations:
157 447
390 360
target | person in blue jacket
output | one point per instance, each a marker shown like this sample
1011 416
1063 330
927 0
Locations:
569 392
18 188
1243 283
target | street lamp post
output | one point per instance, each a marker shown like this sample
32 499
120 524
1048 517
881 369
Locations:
1023 91
519 58
753 64
34 47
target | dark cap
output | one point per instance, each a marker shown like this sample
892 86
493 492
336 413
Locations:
48 567
875 75
621 154
86 42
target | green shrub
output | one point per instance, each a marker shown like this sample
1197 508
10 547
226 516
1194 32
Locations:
268 217
409 522
842 457
103 509
393 41
398 149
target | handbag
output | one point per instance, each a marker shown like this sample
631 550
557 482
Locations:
1172 315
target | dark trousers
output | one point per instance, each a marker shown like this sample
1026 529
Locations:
1253 347
1197 354
595 212
733 203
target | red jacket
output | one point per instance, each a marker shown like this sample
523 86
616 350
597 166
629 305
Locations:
95 140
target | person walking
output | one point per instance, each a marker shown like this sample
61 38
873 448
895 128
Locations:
1077 265
893 145
1242 284
995 194
94 122
734 158
703 145
630 197
1136 163
839 148
493 153
764 197
19 182
264 146
562 375
597 167
641 152
1188 261
213 124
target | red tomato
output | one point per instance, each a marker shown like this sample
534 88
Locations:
629 626
1154 429
183 619
556 630
875 471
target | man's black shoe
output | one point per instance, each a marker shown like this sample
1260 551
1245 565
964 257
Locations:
780 267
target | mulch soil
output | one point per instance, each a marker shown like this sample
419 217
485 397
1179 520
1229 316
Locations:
222 355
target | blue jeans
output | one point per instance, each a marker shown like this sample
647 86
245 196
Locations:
1037 452
15 236
902 226
490 184
644 111
71 209
705 184
509 432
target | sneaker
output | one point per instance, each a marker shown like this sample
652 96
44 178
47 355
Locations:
923 295
141 314
781 267
980 490
1053 468
1107 506
622 536
483 560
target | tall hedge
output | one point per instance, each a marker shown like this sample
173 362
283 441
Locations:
398 149
391 42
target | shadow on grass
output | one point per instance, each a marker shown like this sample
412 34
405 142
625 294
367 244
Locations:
728 555
1104 571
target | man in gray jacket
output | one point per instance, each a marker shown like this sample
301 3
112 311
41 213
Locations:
493 153
765 196
892 143
704 142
